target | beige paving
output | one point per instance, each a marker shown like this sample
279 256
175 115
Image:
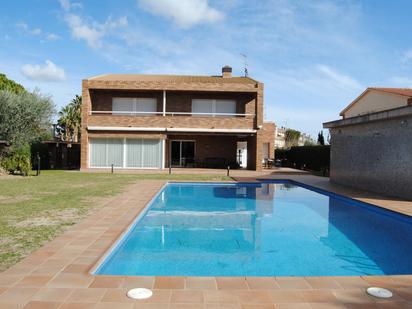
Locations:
58 274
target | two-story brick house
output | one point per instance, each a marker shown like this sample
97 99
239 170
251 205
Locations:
148 121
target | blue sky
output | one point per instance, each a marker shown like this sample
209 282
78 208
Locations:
313 56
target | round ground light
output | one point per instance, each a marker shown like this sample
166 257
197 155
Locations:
139 293
379 292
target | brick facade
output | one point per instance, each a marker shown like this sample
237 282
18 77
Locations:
248 94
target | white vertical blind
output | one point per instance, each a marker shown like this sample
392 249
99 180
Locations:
202 106
123 106
133 153
225 106
140 153
151 153
214 107
98 152
106 151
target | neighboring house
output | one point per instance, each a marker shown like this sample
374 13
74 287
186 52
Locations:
306 139
148 121
280 140
371 147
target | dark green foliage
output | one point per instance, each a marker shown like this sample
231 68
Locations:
321 139
315 158
24 117
70 120
10 85
18 161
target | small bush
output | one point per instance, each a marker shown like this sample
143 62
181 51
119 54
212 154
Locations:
17 161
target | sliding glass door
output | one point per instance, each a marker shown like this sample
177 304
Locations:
183 153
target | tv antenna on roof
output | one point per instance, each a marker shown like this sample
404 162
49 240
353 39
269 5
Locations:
245 64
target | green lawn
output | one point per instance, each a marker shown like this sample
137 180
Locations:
36 209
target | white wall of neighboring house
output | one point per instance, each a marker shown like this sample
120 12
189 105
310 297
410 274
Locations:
375 101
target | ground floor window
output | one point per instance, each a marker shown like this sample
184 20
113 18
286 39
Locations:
126 153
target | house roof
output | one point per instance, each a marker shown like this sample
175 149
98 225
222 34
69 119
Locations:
173 78
406 92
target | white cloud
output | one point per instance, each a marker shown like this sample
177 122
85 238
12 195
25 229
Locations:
341 80
52 37
48 72
92 32
25 28
185 13
67 5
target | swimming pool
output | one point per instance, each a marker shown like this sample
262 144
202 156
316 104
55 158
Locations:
260 229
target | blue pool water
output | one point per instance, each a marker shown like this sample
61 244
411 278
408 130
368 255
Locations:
266 229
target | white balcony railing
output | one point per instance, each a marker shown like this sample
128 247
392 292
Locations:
125 113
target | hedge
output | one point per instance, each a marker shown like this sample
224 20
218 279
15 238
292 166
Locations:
315 158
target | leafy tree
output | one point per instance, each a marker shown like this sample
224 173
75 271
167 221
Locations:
321 139
70 120
10 85
25 117
291 138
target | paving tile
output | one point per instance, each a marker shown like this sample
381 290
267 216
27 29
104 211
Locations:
231 283
186 306
37 304
76 268
353 296
10 305
77 306
293 306
138 282
52 294
205 283
169 283
286 296
150 306
257 306
34 281
220 297
116 295
292 283
351 282
395 305
86 295
323 283
334 305
9 280
187 297
116 306
222 306
264 283
106 282
318 296
253 296
67 280
18 294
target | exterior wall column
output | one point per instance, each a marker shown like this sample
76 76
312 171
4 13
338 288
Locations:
84 140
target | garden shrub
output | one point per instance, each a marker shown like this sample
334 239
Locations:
17 161
315 158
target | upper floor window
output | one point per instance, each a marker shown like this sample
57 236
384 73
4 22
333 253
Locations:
134 106
215 108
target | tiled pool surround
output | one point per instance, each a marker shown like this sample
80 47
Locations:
57 275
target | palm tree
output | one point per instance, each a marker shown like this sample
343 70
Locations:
70 119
